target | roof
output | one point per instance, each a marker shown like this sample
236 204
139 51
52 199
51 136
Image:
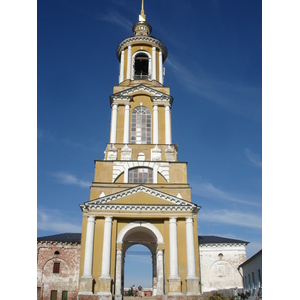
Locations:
251 258
63 238
76 238
211 239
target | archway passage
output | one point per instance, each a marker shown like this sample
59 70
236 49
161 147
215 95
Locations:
138 269
147 235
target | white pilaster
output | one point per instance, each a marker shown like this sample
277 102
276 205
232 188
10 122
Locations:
160 272
155 124
153 63
118 291
121 78
167 125
191 264
113 131
160 61
128 62
126 124
173 248
106 248
89 245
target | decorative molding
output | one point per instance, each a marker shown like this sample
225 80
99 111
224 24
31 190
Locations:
142 38
156 95
140 224
144 208
122 166
104 203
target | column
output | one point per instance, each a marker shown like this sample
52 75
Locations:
119 260
154 280
104 281
86 281
190 248
89 245
192 281
113 131
160 272
106 247
121 78
128 62
167 125
160 61
153 63
174 280
173 248
155 124
126 124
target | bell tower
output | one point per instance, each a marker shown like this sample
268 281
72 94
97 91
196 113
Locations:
140 193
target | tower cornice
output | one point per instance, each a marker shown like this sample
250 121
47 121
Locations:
137 39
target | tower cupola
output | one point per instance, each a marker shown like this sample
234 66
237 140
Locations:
142 28
141 56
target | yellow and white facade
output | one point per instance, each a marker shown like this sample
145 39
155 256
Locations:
140 193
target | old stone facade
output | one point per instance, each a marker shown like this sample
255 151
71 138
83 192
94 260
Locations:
58 259
219 261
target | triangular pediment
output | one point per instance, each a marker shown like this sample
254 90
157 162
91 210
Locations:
140 197
141 89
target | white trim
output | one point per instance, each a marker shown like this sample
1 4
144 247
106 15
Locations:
121 78
140 224
123 166
153 63
128 62
133 61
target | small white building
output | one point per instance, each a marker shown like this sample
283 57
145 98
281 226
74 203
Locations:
251 271
219 261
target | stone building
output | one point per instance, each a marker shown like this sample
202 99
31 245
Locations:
58 258
251 270
219 261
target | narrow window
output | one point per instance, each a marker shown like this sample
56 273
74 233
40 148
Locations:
56 266
53 295
245 282
140 125
249 282
259 278
64 295
140 175
253 280
141 66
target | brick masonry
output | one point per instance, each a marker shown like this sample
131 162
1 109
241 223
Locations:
66 280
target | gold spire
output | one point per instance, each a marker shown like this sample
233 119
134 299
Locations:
142 16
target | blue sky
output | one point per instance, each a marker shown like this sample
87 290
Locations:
214 70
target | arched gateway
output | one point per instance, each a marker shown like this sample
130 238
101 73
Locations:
140 193
146 234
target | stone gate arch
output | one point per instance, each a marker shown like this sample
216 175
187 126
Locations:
144 233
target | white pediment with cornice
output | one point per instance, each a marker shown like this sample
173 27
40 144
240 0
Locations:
117 201
130 92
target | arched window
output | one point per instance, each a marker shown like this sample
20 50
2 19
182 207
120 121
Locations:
141 66
140 175
140 125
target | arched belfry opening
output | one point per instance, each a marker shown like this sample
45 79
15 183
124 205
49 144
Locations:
141 66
